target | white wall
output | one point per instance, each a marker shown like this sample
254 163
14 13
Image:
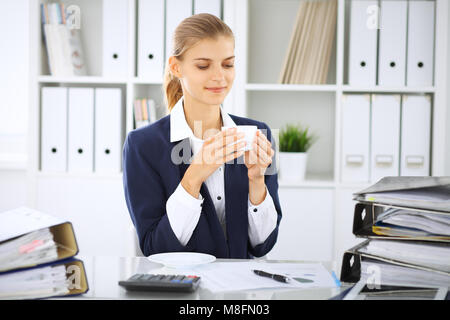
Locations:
13 189
447 148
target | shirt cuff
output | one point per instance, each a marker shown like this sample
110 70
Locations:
262 220
183 212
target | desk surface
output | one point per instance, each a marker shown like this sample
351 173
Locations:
104 272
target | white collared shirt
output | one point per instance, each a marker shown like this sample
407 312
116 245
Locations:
183 210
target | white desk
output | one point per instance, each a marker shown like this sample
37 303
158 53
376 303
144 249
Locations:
103 274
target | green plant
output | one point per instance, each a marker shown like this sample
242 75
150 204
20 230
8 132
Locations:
295 139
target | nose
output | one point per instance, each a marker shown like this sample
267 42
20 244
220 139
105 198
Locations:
218 74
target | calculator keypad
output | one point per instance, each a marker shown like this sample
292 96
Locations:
161 282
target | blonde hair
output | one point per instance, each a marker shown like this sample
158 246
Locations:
190 31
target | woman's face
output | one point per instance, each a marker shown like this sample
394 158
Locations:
207 70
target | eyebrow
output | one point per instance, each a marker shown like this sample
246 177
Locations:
207 59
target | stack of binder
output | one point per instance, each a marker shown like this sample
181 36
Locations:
144 112
62 39
37 256
406 221
308 57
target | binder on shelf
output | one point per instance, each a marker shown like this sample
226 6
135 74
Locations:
392 45
363 43
415 135
115 38
420 43
54 129
108 130
208 6
37 251
176 11
151 39
385 136
355 138
81 130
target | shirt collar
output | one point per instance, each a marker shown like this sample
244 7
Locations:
179 128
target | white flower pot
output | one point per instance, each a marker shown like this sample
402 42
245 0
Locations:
292 166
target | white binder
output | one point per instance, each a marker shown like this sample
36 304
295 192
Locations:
415 136
81 130
355 138
392 45
151 39
363 43
108 129
385 136
420 43
176 11
208 6
54 129
115 38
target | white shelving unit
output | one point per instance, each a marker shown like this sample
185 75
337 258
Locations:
317 213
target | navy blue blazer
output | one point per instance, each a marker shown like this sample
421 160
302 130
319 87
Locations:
150 177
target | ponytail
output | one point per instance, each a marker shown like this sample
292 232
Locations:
172 88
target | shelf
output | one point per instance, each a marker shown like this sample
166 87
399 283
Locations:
311 181
146 81
13 162
81 80
291 87
403 89
80 175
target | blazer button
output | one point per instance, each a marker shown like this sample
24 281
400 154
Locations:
201 204
219 198
254 210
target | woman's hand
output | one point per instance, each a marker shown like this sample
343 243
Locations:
259 158
215 151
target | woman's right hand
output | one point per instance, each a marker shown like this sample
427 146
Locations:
215 151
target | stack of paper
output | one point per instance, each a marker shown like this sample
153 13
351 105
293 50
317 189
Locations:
30 249
401 276
308 56
34 283
403 222
431 255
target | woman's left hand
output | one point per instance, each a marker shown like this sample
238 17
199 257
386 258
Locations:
259 157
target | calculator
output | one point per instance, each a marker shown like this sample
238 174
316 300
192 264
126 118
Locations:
161 282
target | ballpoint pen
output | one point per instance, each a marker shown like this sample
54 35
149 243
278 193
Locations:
277 277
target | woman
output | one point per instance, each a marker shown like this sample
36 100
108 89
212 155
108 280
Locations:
182 188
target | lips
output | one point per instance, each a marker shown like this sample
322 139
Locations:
216 89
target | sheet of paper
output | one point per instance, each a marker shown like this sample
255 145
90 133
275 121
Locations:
235 276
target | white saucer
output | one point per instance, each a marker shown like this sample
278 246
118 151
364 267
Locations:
181 259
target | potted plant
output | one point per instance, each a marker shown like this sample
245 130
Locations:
294 142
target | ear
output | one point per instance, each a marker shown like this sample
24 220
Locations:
174 65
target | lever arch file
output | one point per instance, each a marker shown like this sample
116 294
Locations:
363 43
23 231
115 38
392 46
151 39
54 129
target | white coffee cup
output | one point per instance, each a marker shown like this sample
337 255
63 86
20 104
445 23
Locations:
249 131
